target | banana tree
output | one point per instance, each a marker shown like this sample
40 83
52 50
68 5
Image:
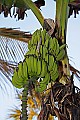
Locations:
50 77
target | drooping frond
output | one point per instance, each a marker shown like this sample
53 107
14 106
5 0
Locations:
7 69
15 114
15 34
18 8
75 71
74 7
12 51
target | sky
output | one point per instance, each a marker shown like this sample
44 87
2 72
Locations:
7 98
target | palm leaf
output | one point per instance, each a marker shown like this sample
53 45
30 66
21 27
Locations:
7 68
13 47
19 8
15 34
74 7
15 113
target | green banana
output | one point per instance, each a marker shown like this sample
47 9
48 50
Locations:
28 64
29 45
28 53
20 74
15 80
56 46
31 60
47 42
54 73
46 79
20 69
46 57
39 66
45 52
44 83
35 40
20 81
41 50
62 47
38 35
50 63
37 54
32 41
35 65
43 34
60 55
44 69
33 50
25 70
41 88
51 44
55 67
54 76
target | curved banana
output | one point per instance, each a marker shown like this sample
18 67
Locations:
44 69
54 73
54 76
43 34
39 66
62 47
47 43
28 64
60 55
20 69
45 52
35 65
50 62
46 79
25 70
56 46
16 80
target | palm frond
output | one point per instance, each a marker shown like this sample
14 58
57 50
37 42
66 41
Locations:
75 71
15 34
7 68
12 51
16 113
18 8
74 7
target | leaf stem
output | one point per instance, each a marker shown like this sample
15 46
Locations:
35 10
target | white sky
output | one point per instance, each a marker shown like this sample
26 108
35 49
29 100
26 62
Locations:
30 24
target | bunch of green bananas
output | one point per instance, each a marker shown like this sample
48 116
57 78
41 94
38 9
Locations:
41 61
43 45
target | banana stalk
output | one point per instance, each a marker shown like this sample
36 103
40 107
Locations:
62 11
24 102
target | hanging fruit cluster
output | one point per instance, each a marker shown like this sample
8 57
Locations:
41 61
